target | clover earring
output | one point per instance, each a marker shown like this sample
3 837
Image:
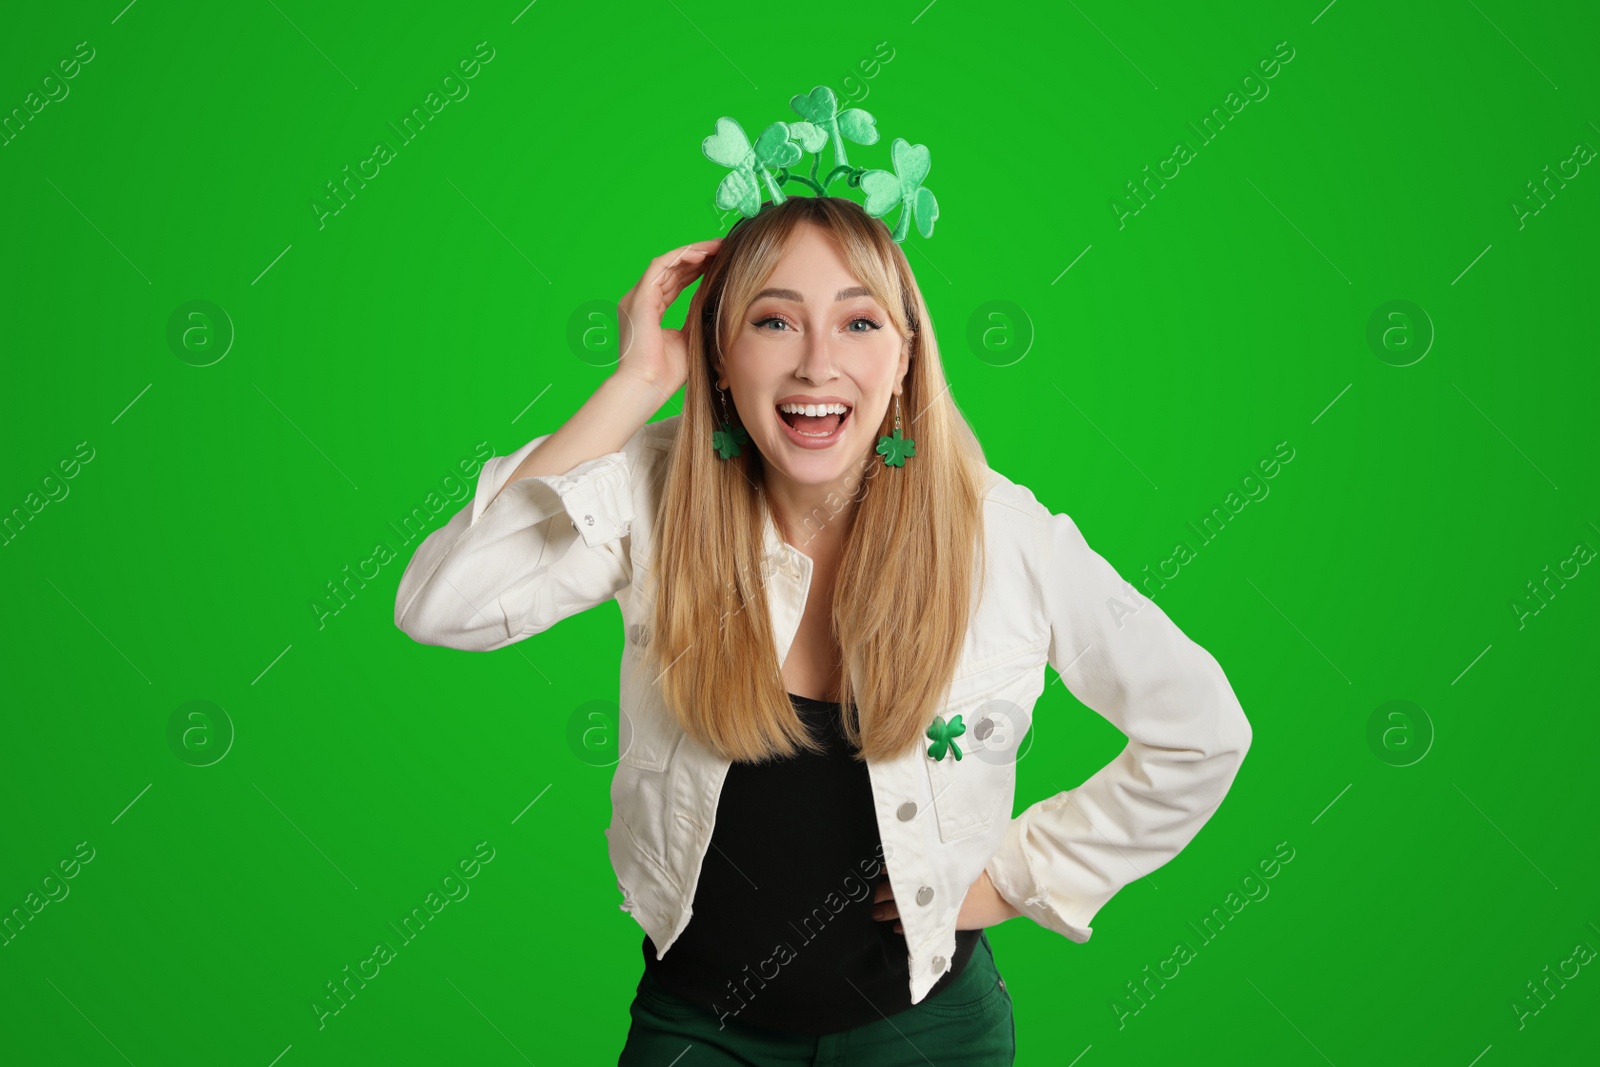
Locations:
896 448
727 439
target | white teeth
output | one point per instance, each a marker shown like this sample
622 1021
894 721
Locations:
813 409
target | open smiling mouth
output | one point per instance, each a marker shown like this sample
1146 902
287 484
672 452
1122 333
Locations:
814 431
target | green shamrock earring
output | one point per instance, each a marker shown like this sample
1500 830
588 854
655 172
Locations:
944 736
728 439
894 449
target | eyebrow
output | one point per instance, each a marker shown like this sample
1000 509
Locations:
790 294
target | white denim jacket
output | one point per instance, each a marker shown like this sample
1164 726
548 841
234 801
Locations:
550 547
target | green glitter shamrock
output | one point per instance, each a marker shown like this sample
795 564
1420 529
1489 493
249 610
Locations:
944 736
904 187
894 450
820 108
728 439
730 146
759 171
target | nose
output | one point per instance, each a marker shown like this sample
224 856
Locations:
816 358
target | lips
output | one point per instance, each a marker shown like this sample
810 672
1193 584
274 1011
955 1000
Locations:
803 429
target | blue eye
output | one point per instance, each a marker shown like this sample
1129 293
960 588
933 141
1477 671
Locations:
858 319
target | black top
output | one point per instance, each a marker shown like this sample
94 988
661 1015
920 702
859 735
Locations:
782 934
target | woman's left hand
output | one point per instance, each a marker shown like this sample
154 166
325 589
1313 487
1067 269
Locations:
983 906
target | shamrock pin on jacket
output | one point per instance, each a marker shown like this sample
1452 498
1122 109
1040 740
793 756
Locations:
944 734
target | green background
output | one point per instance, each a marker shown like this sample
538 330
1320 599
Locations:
363 358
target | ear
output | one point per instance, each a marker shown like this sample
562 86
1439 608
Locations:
903 366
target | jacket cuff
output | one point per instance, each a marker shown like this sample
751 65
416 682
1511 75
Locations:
1012 874
597 494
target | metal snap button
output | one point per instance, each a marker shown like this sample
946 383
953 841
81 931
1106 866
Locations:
984 728
589 519
939 963
907 811
925 894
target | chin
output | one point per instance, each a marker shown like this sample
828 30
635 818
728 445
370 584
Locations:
815 466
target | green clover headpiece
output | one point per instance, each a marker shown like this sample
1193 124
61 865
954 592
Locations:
766 165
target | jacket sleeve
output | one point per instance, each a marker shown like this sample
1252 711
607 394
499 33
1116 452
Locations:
1122 657
545 548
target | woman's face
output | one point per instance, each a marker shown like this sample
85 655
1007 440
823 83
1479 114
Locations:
813 336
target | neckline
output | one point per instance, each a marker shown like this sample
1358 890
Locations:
813 700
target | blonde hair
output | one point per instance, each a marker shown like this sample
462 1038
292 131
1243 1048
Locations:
912 562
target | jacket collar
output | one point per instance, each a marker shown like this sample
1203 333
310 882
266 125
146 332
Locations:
778 555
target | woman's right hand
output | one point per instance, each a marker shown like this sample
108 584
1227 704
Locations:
650 352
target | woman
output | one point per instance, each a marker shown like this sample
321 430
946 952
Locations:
816 606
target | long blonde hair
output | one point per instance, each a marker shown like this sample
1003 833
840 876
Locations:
912 562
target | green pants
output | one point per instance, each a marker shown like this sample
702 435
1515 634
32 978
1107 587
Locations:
968 1023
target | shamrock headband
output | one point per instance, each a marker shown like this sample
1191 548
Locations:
766 164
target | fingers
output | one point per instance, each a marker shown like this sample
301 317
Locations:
686 260
670 257
883 905
671 272
674 276
883 902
